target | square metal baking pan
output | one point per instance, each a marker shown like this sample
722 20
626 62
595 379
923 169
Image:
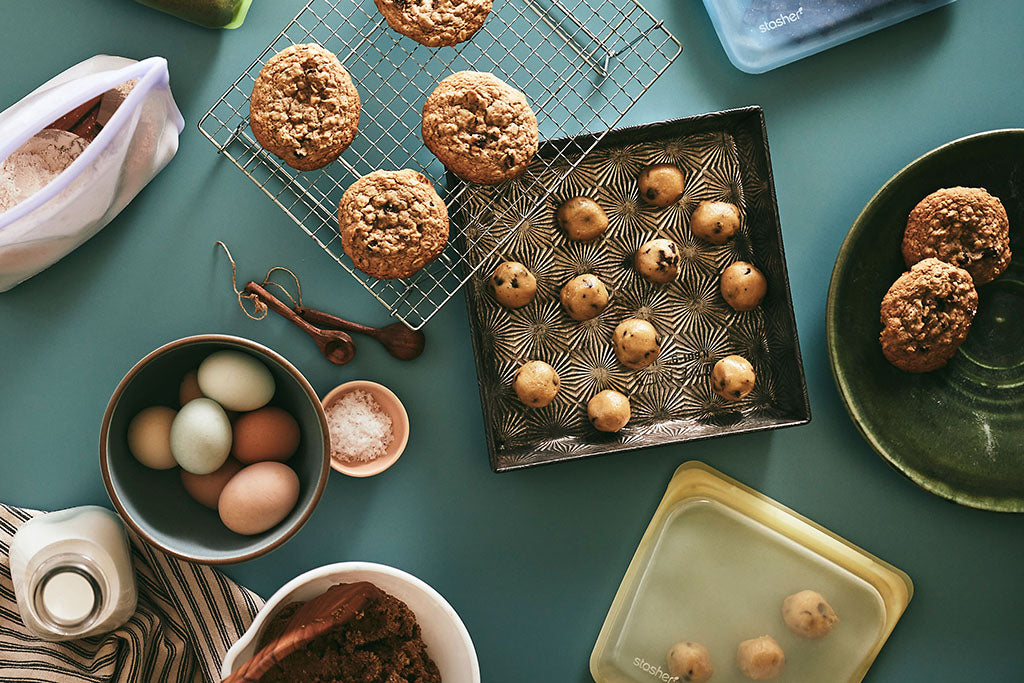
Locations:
724 156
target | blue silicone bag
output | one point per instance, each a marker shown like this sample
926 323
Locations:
761 35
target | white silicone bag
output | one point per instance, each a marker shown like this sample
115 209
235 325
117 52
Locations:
137 142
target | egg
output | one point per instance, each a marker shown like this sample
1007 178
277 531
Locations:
201 436
189 388
235 380
206 488
258 498
265 434
149 437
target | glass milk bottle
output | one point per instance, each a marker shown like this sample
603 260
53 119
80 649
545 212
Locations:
72 573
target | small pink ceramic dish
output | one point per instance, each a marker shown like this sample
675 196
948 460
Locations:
390 405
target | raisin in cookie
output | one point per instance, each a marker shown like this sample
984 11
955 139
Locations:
965 226
392 223
480 127
304 107
435 23
926 315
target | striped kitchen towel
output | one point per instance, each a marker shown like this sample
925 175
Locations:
188 616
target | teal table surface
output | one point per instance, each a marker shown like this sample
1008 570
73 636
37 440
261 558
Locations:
529 559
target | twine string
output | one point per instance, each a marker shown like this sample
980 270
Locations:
259 308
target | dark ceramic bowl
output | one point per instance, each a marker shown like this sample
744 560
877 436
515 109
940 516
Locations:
958 431
154 503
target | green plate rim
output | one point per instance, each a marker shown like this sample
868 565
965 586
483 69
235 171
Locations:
939 488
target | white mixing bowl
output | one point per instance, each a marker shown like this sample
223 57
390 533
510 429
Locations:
448 641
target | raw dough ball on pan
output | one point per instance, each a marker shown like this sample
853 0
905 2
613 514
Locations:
715 222
514 285
733 378
808 615
760 659
536 384
743 286
636 343
657 261
584 297
582 219
608 411
661 184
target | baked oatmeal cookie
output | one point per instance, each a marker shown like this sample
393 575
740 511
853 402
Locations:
392 223
304 108
926 315
435 23
480 127
965 226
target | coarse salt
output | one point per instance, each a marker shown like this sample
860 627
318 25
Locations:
360 430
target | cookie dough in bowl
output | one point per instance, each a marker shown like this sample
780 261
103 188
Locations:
480 127
304 108
392 223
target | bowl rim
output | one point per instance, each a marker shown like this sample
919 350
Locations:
951 493
384 462
342 568
252 346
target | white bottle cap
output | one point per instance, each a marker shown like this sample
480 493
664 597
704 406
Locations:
68 597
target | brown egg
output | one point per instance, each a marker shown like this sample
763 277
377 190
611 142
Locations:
258 498
206 488
265 434
189 388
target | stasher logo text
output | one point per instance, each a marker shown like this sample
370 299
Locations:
654 670
781 20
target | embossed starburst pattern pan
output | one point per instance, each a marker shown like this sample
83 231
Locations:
724 157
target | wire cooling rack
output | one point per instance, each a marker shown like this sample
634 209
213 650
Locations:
581 64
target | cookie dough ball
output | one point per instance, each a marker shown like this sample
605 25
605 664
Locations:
582 219
689 661
608 411
661 184
537 384
743 286
760 659
657 261
733 378
514 285
715 222
584 297
636 343
964 226
808 615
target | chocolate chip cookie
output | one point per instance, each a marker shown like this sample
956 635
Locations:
926 315
304 108
392 223
480 127
965 226
435 23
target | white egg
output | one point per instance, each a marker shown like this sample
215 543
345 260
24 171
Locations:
149 437
201 436
236 380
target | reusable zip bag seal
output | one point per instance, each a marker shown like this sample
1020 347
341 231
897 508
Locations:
137 141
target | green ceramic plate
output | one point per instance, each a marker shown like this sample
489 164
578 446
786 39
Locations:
959 431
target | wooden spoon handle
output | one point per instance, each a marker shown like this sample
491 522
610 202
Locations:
322 319
279 307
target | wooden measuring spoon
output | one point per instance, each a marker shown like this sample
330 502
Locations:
328 611
400 340
336 346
